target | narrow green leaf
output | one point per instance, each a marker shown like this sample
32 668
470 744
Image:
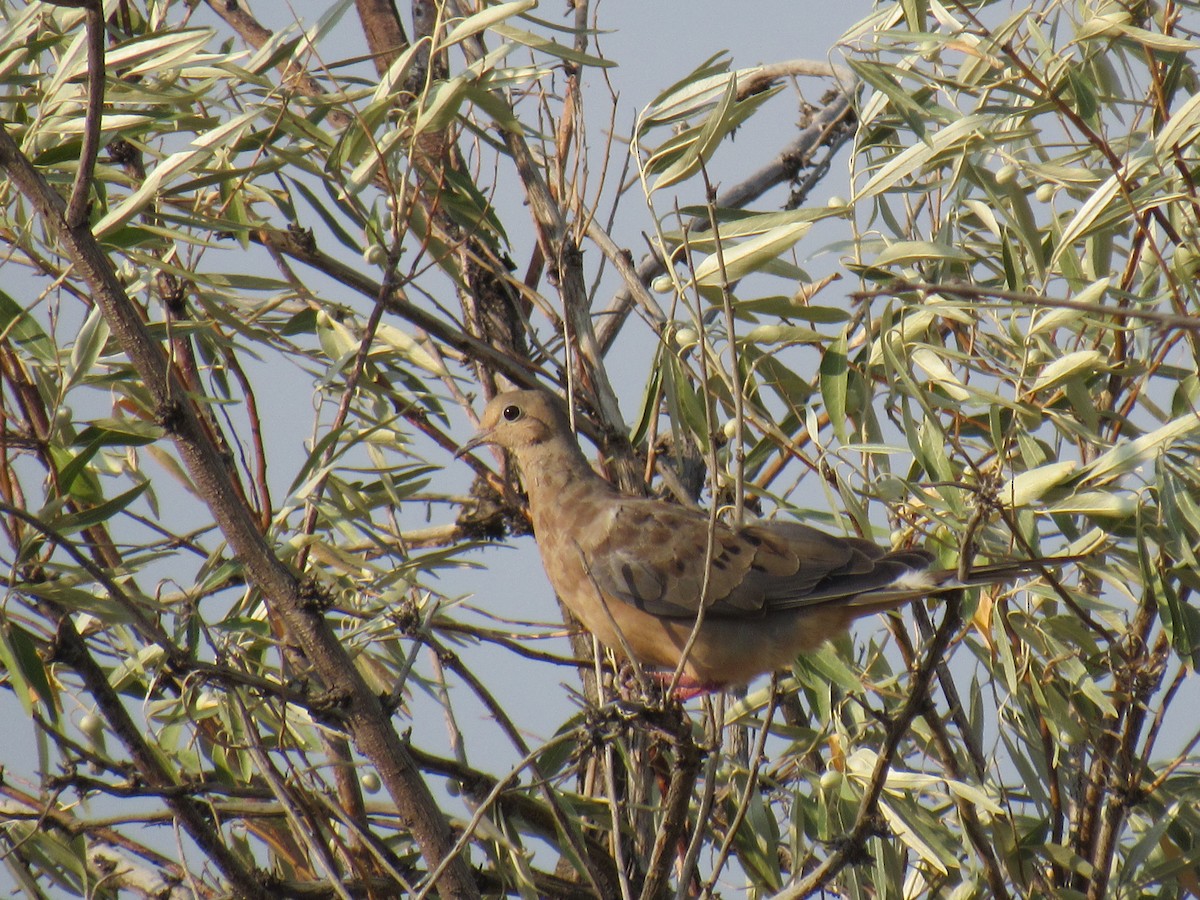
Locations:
1031 486
834 372
648 406
19 326
1179 517
331 221
393 79
1098 203
172 167
88 346
955 136
925 842
1079 364
549 47
10 659
915 324
395 340
899 98
782 334
442 105
1069 860
1182 129
902 252
939 373
116 123
78 464
15 40
827 667
1116 25
717 124
1046 322
750 256
497 108
1129 455
481 21
19 654
1105 504
158 52
73 522
688 96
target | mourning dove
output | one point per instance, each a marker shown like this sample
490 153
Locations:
632 569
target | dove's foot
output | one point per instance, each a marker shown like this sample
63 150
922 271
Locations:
688 687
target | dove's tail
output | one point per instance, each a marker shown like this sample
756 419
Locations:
925 583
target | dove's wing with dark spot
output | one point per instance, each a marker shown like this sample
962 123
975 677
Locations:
651 555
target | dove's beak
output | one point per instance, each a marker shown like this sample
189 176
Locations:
483 437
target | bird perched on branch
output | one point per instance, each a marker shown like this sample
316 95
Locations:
634 570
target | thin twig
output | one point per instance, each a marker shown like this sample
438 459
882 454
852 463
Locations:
600 871
704 807
977 292
851 846
710 540
738 388
751 789
77 208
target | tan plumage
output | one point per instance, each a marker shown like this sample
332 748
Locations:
631 569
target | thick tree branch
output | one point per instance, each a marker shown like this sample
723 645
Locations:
362 712
382 29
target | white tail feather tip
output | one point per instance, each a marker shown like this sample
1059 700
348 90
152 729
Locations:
916 580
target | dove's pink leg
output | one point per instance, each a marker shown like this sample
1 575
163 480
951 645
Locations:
688 687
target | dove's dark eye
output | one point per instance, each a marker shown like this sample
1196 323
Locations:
511 413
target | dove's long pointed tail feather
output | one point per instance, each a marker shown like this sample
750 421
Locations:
999 573
918 585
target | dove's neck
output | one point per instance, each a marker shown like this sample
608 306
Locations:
556 474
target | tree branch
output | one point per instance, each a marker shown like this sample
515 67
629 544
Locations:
363 714
77 209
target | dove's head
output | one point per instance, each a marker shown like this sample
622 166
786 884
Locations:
519 421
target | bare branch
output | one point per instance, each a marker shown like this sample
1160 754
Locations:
77 208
